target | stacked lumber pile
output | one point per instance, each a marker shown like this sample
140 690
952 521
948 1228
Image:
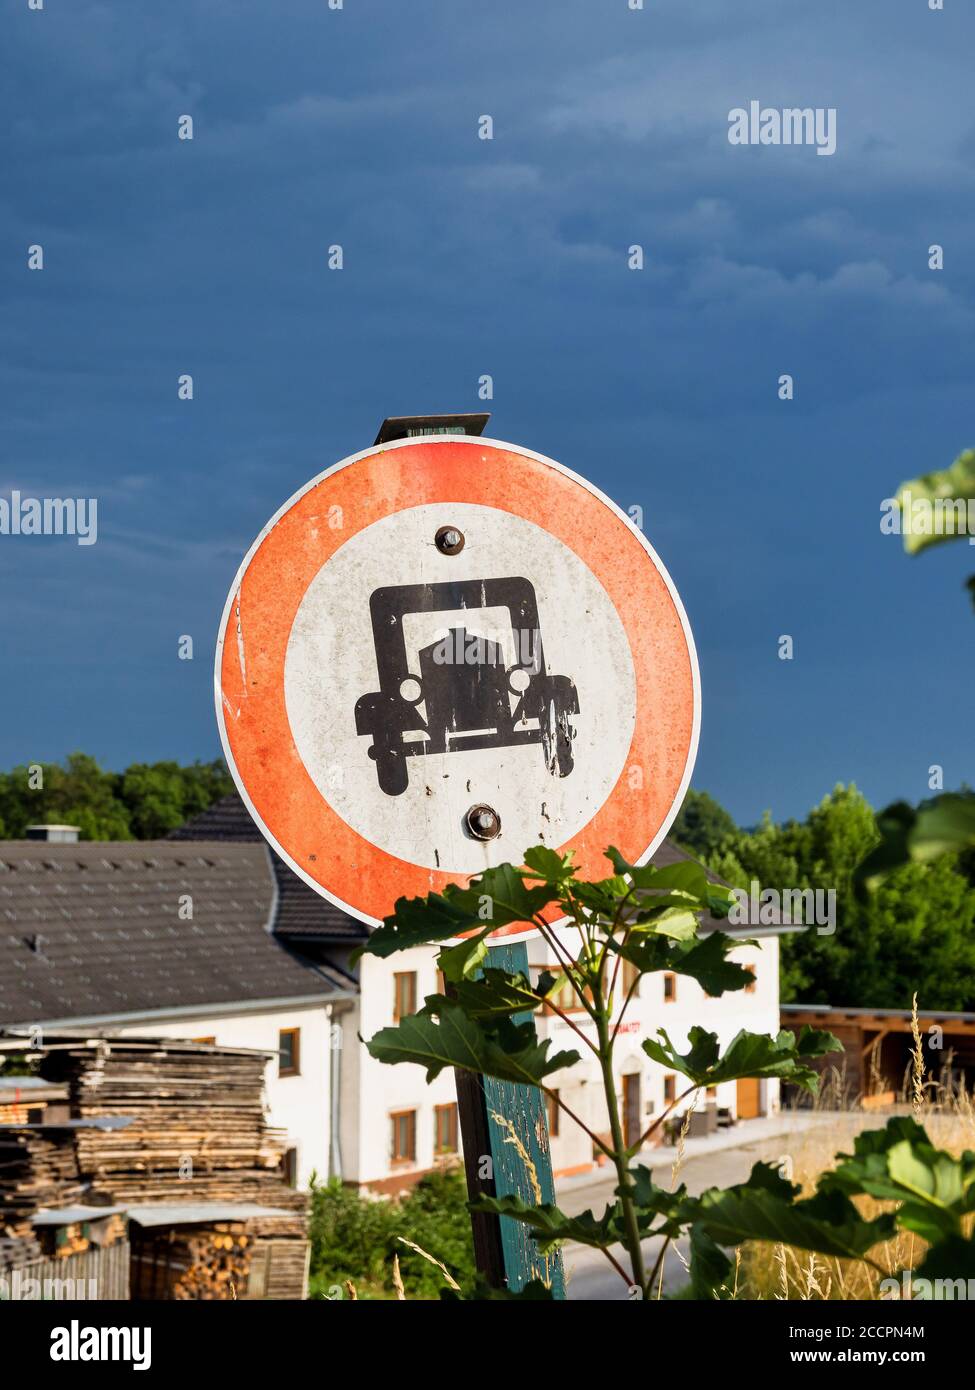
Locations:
16 1251
198 1130
38 1168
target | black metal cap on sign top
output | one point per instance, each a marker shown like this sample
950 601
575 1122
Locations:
410 426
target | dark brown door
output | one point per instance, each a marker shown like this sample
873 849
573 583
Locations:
631 1109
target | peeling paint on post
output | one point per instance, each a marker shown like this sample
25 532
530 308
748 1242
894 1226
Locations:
508 1125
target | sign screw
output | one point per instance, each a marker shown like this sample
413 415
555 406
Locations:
483 822
449 540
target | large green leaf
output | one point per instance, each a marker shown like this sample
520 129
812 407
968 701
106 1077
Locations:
652 1202
676 921
464 960
951 1259
494 899
602 897
946 485
899 1163
942 826
710 1268
685 882
550 867
419 922
550 1227
748 1054
704 959
763 1208
495 994
507 1051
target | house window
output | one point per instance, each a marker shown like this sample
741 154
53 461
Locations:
552 1106
289 1059
750 988
630 977
670 1088
670 988
404 994
565 998
445 1129
404 1136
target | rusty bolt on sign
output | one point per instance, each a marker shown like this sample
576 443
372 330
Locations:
449 540
483 822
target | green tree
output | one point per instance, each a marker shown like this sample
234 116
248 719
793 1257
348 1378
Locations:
161 796
702 824
915 932
144 802
77 792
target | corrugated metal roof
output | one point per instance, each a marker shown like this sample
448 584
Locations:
70 1216
191 1213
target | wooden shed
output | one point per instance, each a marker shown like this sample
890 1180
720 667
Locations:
877 1046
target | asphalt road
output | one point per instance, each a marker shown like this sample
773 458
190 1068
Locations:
590 1276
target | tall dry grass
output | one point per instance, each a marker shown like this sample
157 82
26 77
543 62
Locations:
946 1108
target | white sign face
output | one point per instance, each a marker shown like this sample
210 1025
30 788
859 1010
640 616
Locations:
465 659
442 652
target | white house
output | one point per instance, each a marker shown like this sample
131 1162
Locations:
401 1126
209 935
173 939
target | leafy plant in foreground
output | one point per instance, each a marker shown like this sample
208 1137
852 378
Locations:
649 918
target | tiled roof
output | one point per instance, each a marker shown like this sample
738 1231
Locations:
91 930
302 915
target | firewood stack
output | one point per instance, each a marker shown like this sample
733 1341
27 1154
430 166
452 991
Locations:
195 1262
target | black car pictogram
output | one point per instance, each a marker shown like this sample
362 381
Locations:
469 697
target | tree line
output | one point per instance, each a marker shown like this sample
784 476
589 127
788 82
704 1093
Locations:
915 931
144 802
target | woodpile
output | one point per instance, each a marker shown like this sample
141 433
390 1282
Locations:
38 1168
16 1251
193 1262
196 1132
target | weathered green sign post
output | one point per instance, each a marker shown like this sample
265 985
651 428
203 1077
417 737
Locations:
506 1151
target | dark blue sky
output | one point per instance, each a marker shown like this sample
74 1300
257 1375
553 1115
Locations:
508 257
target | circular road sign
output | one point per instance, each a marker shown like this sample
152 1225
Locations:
445 650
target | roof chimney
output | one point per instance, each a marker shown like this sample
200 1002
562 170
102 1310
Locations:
55 834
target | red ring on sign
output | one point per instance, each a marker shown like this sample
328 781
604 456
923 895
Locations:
308 833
